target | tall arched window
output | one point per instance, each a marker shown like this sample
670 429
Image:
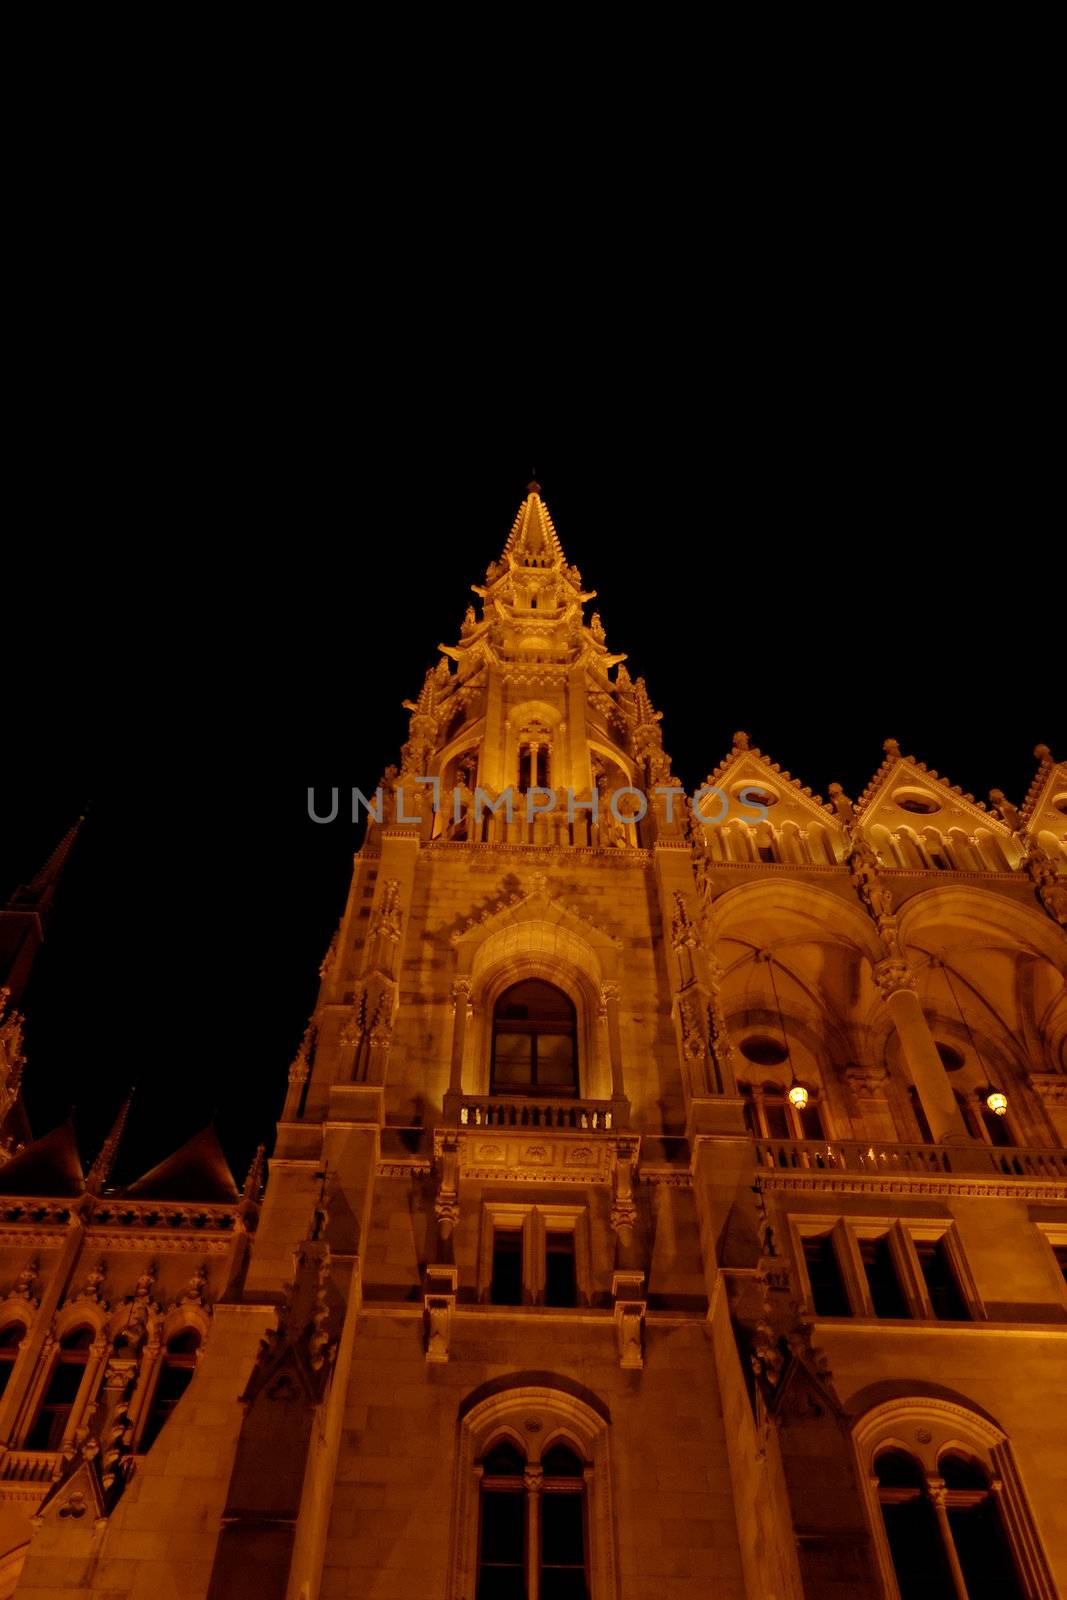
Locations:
11 1339
945 1493
53 1414
533 1540
175 1375
533 1513
534 1041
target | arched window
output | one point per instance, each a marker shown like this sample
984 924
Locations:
977 1530
920 1561
11 1338
175 1375
533 1509
53 1414
943 1505
534 1041
532 1537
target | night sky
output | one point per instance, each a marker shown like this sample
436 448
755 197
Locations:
206 622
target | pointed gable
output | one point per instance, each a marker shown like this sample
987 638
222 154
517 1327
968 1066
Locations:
906 802
197 1171
754 810
1044 811
50 1167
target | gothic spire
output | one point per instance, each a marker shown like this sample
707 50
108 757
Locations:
533 541
100 1170
24 918
37 895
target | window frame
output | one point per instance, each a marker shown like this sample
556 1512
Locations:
514 1028
756 1096
534 1220
926 1428
904 1233
535 1418
1055 1236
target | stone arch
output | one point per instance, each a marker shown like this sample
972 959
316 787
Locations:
1004 967
538 937
823 948
927 1423
534 1410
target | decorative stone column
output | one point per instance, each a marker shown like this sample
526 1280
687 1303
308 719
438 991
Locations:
533 1478
462 1011
610 995
935 1487
897 985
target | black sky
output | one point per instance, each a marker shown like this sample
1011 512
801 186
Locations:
211 615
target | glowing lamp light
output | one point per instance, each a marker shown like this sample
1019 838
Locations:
799 1096
997 1102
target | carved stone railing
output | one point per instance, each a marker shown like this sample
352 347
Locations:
523 1111
856 1156
29 1466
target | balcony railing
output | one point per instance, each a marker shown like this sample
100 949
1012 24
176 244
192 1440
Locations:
30 1466
881 1160
522 1111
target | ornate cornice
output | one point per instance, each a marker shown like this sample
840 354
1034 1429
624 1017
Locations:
945 1184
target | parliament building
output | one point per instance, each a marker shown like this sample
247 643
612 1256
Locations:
669 1201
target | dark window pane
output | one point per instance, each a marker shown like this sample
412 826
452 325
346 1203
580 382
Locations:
824 1275
1060 1251
174 1379
777 1121
512 1060
555 1060
897 1470
503 1528
562 1583
920 1117
561 1284
559 1462
811 1121
919 1559
507 1268
983 1552
501 1583
504 1461
962 1472
562 1539
996 1127
944 1291
886 1293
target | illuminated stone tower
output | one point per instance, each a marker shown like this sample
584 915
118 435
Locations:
669 1199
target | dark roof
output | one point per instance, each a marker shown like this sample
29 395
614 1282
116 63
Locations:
50 1167
198 1171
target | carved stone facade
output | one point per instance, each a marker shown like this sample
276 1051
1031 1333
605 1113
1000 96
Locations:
734 1215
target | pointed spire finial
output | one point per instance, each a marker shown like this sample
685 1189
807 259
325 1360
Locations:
254 1181
38 893
100 1170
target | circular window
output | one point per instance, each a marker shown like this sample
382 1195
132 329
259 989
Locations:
915 801
951 1059
763 1050
753 794
1059 801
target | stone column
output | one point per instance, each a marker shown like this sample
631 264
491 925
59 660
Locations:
927 1071
936 1489
533 1479
461 1015
609 994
